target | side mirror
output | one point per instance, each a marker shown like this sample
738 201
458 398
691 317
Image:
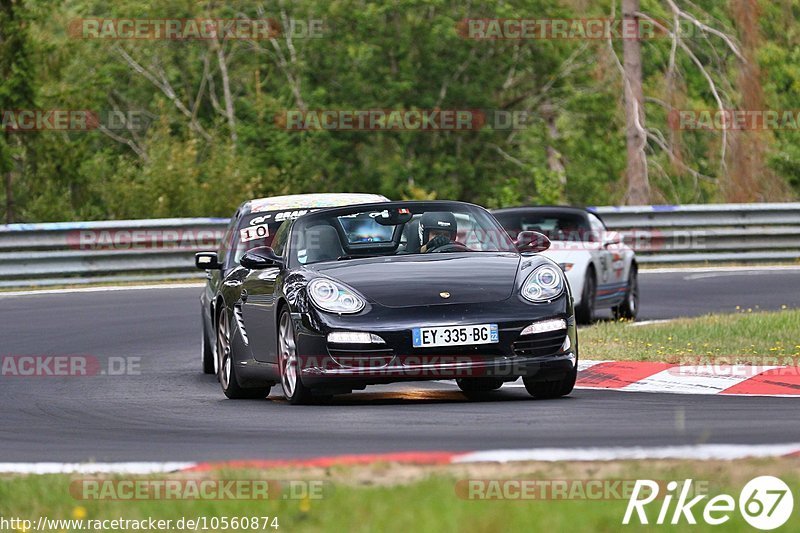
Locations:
532 241
611 238
260 258
207 261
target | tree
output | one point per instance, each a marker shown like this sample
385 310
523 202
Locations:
597 129
747 179
16 91
635 135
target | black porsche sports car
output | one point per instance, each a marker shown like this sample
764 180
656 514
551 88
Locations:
400 291
253 225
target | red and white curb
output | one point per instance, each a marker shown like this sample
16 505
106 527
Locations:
741 380
647 376
722 452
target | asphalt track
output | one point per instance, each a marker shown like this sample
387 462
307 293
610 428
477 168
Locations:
171 411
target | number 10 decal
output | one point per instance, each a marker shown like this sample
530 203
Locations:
255 232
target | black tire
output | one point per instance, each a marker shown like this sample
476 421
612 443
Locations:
227 369
478 385
207 351
295 392
584 313
629 308
545 390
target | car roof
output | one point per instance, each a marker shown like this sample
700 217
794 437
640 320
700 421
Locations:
308 201
544 209
428 204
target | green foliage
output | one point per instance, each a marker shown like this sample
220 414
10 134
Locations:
17 90
402 55
514 496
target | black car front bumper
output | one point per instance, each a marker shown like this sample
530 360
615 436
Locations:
549 356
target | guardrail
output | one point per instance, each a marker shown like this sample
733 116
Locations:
140 250
708 233
121 250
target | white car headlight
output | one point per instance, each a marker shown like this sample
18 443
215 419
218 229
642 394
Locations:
334 297
545 283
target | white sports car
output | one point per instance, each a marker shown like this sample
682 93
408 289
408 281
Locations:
601 269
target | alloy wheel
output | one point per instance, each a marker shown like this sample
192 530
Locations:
224 350
288 356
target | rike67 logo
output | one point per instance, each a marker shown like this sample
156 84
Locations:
765 503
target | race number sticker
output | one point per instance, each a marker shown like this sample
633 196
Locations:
618 264
254 232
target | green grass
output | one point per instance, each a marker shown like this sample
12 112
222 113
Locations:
745 337
409 498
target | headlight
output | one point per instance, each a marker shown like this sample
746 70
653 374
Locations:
544 284
333 297
354 337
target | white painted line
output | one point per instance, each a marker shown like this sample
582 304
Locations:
689 379
690 270
93 468
696 452
110 288
710 275
584 364
649 322
604 389
699 452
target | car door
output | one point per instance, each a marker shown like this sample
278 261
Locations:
257 306
602 255
611 289
217 277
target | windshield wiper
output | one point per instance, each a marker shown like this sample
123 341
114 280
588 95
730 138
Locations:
346 257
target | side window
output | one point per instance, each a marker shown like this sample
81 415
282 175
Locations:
598 228
279 242
511 223
225 244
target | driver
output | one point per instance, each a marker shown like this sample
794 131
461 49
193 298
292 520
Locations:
437 229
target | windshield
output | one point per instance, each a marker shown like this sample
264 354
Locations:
259 229
399 229
556 226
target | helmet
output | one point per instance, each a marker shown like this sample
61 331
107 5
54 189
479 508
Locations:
438 221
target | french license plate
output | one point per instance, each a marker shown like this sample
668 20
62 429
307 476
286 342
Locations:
455 335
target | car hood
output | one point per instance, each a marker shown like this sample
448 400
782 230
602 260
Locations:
416 280
565 255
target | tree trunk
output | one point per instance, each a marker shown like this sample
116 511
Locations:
638 192
9 199
749 178
9 179
555 161
226 91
